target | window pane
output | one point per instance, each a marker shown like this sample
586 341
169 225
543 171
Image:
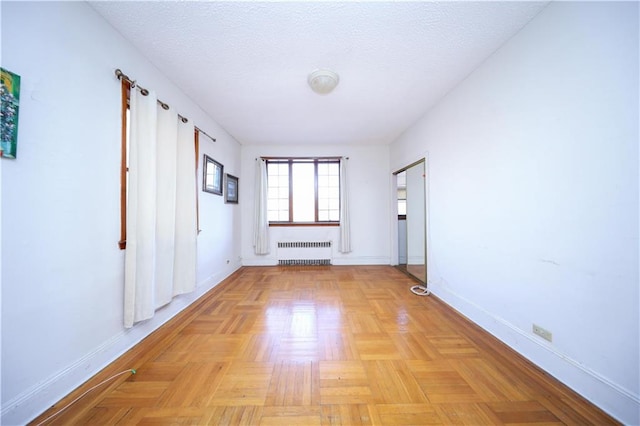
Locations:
323 191
323 169
328 191
303 192
278 191
402 207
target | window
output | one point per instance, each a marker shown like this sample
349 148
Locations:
303 191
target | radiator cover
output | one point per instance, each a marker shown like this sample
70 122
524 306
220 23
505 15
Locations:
303 253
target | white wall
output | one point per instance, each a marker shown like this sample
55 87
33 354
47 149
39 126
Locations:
369 191
533 183
62 271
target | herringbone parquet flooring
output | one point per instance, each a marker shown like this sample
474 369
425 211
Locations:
324 345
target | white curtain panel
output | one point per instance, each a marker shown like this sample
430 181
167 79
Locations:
166 154
160 259
345 225
185 260
261 221
141 210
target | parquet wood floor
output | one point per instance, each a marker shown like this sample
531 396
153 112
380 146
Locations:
323 346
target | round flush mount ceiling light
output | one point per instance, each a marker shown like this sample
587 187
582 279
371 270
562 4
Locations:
323 81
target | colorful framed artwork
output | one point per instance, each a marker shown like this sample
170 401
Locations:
212 176
9 104
231 193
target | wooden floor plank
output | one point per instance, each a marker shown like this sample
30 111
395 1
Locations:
330 345
343 414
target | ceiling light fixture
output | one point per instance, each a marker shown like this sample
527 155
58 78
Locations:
323 81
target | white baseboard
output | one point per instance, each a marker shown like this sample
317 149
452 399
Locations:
618 402
28 405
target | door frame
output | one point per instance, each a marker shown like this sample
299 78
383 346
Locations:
394 212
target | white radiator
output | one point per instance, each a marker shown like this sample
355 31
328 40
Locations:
304 253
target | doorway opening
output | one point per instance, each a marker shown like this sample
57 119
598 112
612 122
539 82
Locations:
411 200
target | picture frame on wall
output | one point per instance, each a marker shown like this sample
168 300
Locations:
231 193
212 172
10 105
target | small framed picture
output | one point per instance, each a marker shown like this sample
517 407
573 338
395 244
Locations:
212 176
231 193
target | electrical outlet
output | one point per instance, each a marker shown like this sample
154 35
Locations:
545 334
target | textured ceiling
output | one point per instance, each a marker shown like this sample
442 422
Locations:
246 63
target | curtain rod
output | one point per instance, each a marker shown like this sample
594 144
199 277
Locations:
302 158
120 75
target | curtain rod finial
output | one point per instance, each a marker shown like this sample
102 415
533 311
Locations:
121 76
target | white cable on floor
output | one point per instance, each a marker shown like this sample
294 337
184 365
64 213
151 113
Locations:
420 290
132 371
